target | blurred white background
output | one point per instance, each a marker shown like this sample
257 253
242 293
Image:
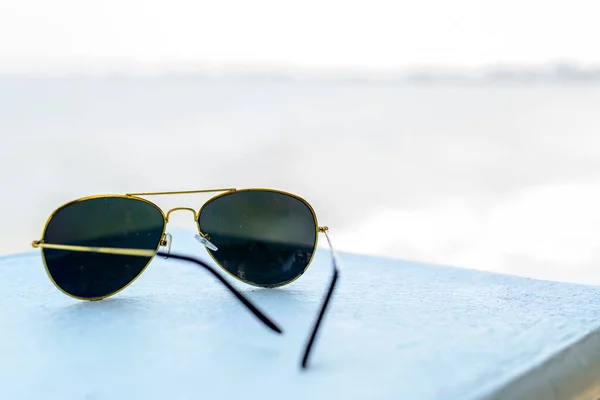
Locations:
463 133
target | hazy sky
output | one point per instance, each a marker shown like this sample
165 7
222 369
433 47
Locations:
37 34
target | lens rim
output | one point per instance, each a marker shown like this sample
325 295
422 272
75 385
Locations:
100 196
312 211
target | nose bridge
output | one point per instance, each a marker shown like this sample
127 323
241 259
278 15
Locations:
182 209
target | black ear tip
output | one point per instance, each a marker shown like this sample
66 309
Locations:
272 325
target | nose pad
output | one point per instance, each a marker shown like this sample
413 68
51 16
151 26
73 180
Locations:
206 243
166 242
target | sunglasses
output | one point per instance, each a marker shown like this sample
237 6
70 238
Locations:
94 247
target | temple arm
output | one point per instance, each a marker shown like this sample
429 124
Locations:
151 253
317 324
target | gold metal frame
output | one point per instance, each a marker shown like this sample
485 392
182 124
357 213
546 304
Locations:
151 253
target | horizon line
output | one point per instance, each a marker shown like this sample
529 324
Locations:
558 70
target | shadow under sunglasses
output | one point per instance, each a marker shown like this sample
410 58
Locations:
243 299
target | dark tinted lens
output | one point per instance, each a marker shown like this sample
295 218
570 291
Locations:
101 222
265 238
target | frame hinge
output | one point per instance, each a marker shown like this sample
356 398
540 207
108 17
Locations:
323 229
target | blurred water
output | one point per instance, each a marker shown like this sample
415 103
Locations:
495 176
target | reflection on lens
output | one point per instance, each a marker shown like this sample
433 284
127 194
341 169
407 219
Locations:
265 238
121 222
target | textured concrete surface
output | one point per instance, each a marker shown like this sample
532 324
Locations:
396 330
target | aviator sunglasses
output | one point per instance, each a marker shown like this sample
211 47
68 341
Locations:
96 246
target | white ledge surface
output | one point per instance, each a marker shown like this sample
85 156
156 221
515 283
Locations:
396 330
